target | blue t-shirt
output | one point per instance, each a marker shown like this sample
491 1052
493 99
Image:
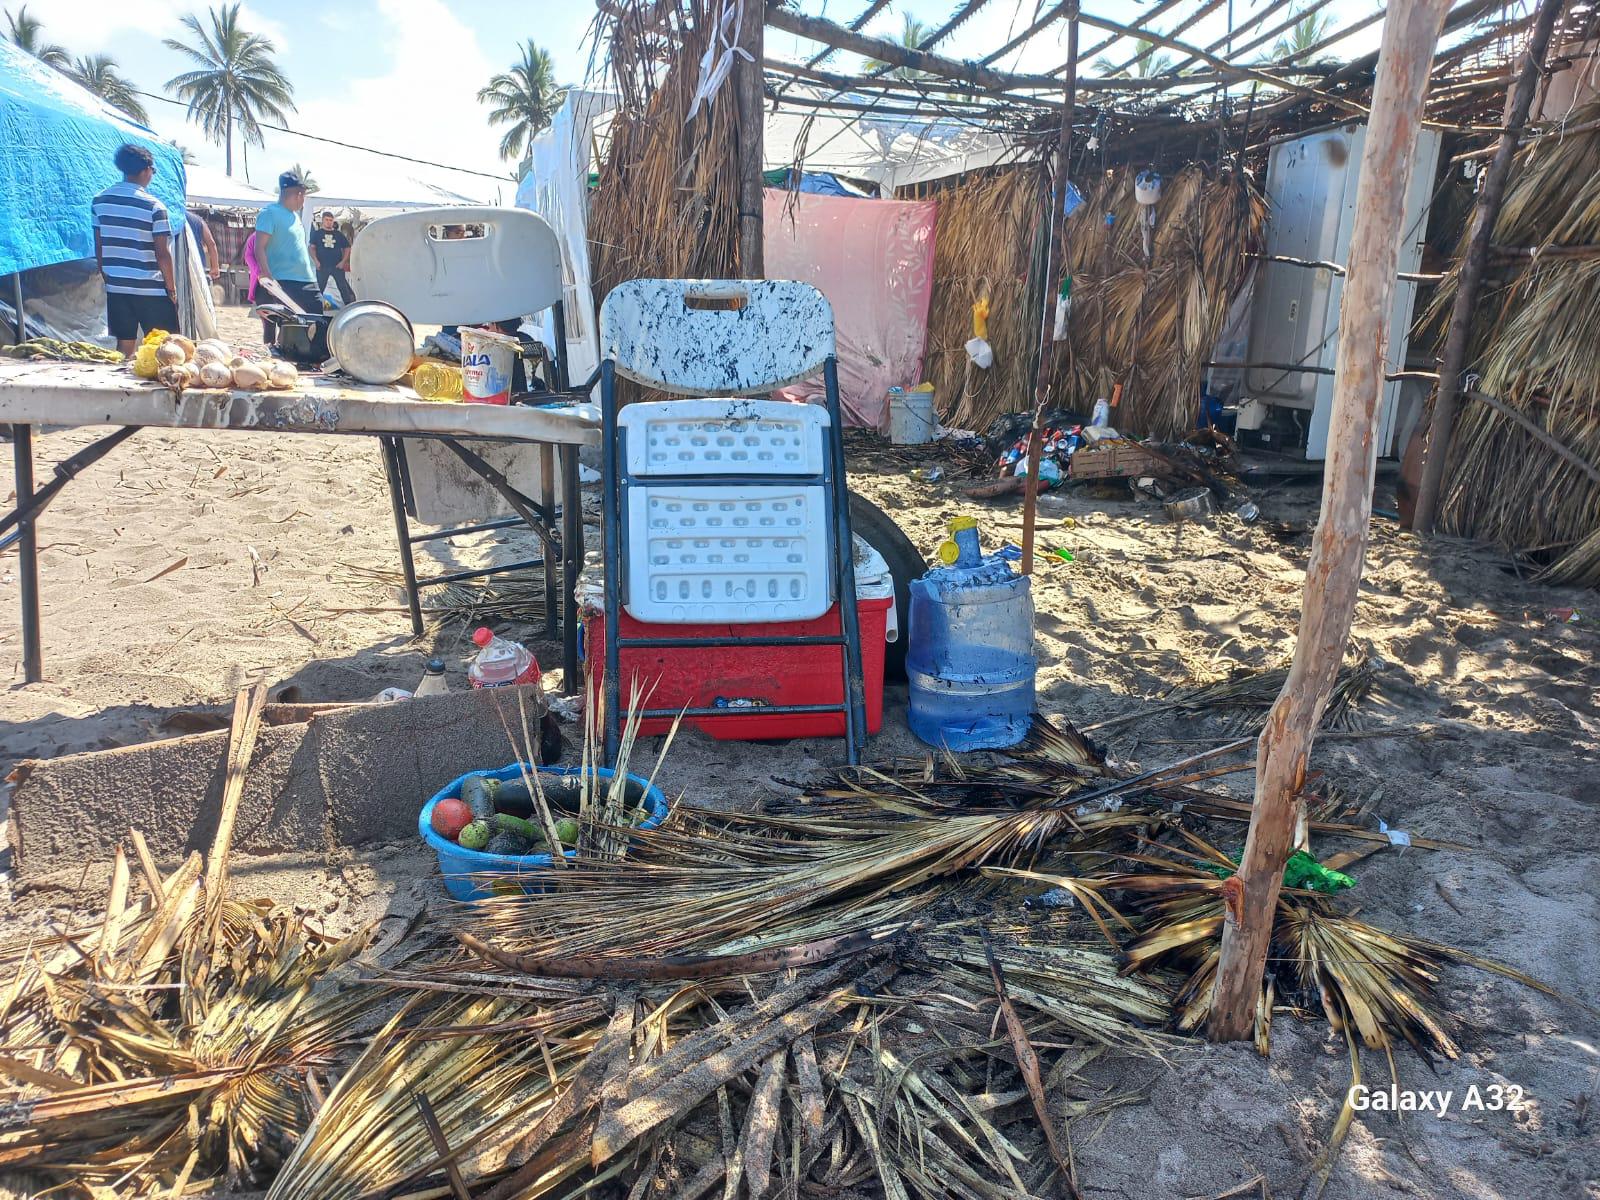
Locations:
287 257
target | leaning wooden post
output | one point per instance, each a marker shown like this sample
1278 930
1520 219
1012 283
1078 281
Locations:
747 81
1250 898
1446 399
1055 265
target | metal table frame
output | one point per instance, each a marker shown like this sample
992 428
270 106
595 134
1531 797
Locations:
311 410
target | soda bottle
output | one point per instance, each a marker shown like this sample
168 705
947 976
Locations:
501 662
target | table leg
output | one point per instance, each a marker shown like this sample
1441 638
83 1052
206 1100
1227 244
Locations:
408 566
571 566
27 555
547 497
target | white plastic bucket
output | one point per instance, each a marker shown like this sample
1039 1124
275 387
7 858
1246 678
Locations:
487 358
911 418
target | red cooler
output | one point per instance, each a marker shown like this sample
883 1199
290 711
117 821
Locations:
744 678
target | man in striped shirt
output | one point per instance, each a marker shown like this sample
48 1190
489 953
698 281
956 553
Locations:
133 245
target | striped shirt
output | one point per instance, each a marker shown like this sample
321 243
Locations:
128 219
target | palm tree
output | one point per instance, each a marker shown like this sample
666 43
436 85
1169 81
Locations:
28 33
306 177
237 82
912 34
99 74
1305 33
525 97
186 154
1147 64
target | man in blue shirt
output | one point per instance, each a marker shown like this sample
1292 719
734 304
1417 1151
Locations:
133 247
281 246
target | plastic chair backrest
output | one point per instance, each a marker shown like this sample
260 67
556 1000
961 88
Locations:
716 337
512 270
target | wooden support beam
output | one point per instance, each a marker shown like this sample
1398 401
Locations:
830 33
749 96
1484 213
1105 44
1055 265
866 14
1250 897
1139 32
1044 20
1246 72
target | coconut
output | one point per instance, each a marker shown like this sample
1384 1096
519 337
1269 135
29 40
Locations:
249 377
214 374
283 375
170 353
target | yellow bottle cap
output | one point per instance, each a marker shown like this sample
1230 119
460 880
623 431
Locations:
948 553
957 524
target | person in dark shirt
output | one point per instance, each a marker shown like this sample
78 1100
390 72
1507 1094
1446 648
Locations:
332 251
207 242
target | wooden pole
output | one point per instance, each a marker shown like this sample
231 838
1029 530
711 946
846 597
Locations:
1250 897
1440 429
1055 265
747 82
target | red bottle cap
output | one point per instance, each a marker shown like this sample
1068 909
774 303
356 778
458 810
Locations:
483 635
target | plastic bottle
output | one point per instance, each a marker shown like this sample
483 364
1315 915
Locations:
970 650
433 682
500 662
437 381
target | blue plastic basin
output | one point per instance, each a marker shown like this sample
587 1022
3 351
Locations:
464 869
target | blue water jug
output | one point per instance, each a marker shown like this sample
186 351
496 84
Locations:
969 652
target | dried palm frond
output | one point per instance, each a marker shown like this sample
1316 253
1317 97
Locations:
1534 345
1151 325
985 243
512 596
145 1064
1244 700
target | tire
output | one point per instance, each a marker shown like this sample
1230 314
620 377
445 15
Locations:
878 530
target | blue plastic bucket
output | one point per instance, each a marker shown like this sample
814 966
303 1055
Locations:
463 869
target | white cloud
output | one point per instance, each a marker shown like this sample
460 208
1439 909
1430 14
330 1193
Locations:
91 26
423 104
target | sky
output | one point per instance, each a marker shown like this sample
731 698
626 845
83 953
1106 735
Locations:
402 75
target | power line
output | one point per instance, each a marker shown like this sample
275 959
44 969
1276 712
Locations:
348 145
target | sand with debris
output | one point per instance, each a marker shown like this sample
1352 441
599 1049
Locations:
184 565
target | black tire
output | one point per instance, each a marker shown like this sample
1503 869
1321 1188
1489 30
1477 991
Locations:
878 530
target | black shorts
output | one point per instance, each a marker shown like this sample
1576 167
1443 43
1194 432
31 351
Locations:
126 314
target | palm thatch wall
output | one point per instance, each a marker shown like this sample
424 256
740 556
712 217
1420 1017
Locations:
1150 324
667 205
985 245
1537 346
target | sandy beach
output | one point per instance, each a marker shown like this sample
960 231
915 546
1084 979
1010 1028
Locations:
186 565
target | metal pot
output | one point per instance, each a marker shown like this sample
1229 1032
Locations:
373 341
1191 504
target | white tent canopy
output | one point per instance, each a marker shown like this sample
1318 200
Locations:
212 189
362 179
889 151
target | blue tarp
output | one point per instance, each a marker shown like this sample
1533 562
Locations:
56 144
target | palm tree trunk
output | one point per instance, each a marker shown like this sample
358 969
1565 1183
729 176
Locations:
230 138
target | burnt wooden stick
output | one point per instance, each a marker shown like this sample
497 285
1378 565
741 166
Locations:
682 966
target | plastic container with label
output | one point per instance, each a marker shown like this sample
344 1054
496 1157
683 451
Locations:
501 662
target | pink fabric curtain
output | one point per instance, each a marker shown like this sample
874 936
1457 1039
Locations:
873 260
